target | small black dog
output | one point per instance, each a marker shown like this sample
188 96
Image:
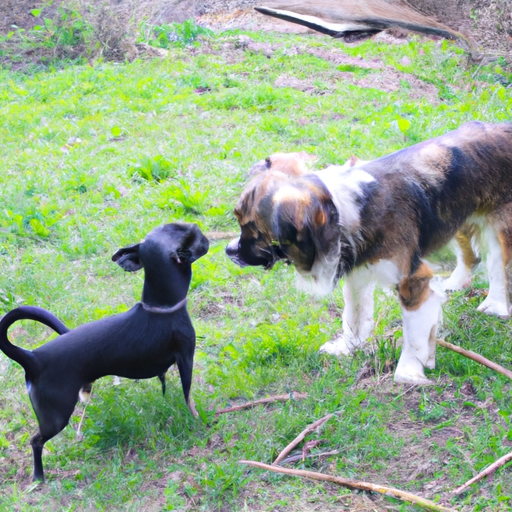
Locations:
139 344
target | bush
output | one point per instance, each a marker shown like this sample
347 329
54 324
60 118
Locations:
83 31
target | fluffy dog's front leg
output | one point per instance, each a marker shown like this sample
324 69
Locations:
421 307
358 319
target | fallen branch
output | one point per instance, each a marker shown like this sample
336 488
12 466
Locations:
487 471
476 357
268 400
300 437
86 397
301 456
353 484
222 235
79 434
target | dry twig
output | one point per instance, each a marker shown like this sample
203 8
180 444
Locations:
268 400
354 484
222 235
476 357
79 434
487 471
301 456
300 437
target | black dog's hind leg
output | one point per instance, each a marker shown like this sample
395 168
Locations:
162 380
52 419
37 443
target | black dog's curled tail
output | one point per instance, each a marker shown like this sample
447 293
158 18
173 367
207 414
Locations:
25 357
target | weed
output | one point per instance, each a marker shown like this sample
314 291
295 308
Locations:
68 28
174 34
148 168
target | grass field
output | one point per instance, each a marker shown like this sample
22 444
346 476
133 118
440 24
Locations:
96 155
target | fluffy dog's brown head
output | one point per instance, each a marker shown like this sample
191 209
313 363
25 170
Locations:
284 213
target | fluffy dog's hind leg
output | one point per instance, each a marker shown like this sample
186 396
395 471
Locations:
358 321
461 277
421 308
496 302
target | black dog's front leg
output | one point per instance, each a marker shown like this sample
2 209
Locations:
185 363
162 380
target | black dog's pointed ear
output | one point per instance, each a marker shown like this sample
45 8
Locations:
128 258
193 246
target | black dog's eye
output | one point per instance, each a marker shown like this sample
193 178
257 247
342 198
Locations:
268 163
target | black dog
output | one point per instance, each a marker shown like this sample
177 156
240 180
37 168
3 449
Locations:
139 344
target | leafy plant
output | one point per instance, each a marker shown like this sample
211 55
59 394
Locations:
148 168
175 34
186 195
67 28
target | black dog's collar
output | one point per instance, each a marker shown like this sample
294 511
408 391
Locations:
172 309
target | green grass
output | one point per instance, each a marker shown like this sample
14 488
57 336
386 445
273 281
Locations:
95 156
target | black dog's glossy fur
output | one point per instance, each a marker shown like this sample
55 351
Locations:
139 344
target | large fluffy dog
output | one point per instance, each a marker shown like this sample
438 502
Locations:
376 221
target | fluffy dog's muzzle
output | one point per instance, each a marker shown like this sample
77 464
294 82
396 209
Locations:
247 253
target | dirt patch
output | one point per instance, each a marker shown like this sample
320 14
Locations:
489 24
392 80
432 426
354 70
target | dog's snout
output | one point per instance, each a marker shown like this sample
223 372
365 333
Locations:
232 247
233 252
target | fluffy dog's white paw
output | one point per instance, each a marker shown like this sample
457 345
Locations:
456 282
411 372
336 347
493 307
431 363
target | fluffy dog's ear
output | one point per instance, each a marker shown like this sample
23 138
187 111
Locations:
193 245
354 160
305 227
292 164
128 258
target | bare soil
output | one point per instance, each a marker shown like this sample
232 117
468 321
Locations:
488 23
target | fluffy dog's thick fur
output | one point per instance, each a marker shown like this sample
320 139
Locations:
139 344
376 221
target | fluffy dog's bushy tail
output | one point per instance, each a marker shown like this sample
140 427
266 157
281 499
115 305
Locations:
25 357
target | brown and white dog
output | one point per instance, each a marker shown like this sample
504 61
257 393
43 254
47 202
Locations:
374 223
466 243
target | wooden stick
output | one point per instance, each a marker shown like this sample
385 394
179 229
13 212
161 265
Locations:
300 437
222 235
300 456
487 471
268 400
79 429
476 357
353 484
